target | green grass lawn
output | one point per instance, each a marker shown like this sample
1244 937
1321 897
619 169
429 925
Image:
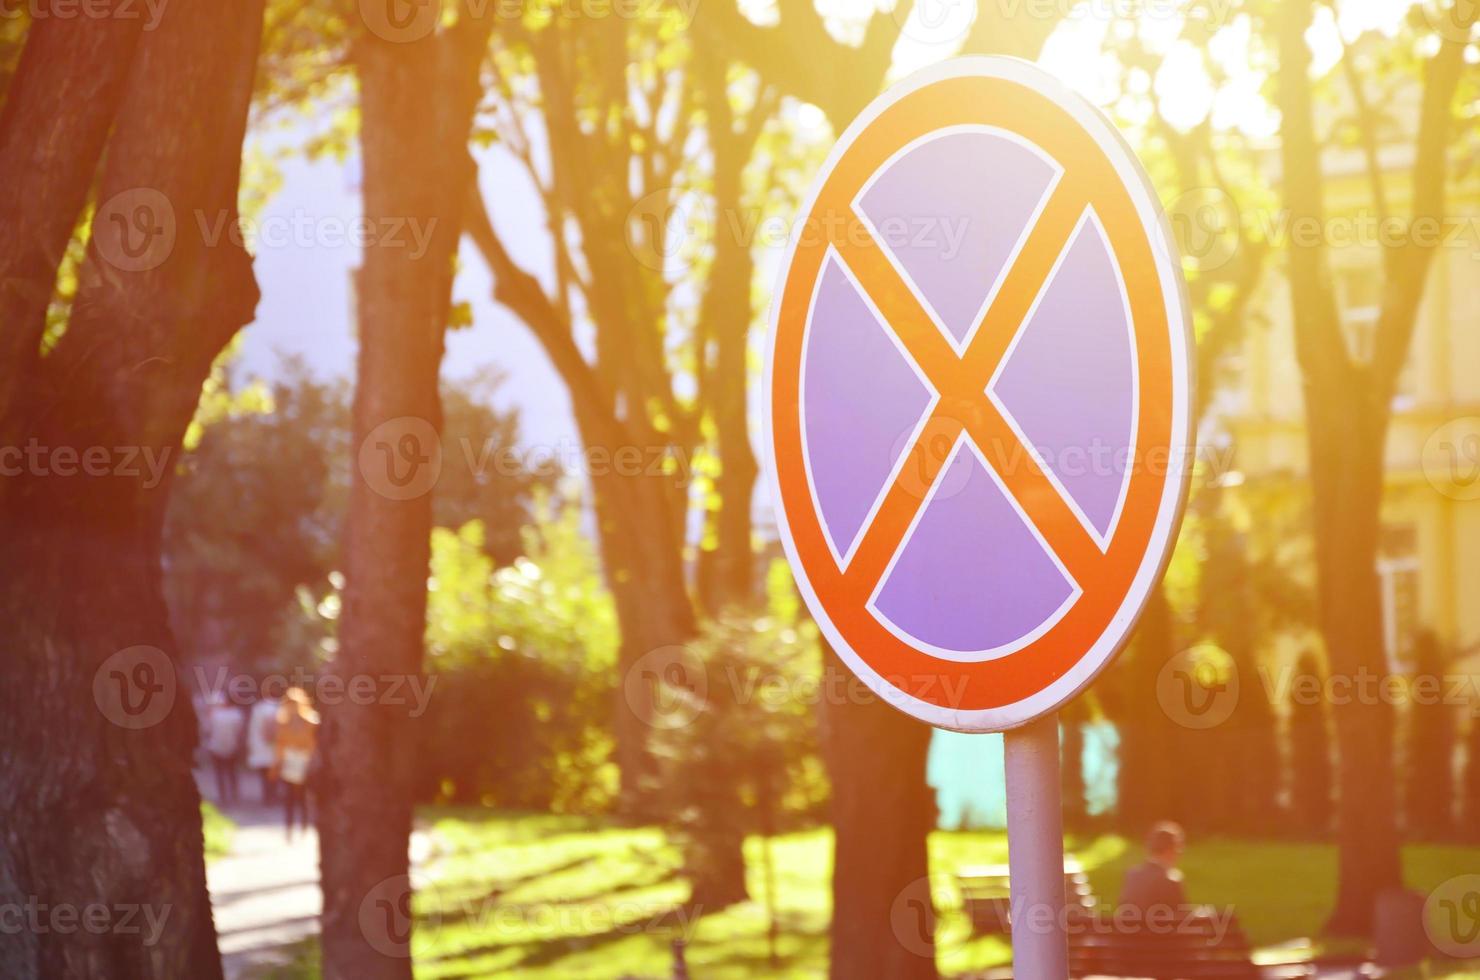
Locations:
543 896
218 830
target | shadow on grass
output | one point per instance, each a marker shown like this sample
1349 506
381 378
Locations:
474 912
549 952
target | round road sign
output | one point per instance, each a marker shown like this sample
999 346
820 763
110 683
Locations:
977 395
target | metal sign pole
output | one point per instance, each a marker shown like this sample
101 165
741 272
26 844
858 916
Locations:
1035 850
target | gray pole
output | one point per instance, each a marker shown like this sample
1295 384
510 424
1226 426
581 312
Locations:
1035 851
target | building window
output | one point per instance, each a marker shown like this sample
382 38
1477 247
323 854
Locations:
1397 571
1359 298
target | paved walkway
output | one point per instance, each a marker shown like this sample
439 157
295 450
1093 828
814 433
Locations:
265 892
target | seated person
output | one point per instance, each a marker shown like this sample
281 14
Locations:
1156 882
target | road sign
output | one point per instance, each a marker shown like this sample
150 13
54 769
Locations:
977 395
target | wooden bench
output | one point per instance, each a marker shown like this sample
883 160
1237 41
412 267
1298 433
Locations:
1192 947
986 895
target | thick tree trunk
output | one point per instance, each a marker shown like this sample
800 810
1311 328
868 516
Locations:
416 100
883 925
100 833
1346 408
1310 760
733 565
639 513
726 317
1429 797
642 562
1346 463
1242 795
1470 788
1146 783
726 566
52 129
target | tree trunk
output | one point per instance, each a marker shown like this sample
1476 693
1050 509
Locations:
1471 786
100 812
725 315
639 514
883 924
1242 795
1145 783
52 129
1428 803
1346 449
733 575
642 562
1310 760
1346 409
416 101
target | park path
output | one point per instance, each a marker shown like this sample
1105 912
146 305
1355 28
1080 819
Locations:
265 894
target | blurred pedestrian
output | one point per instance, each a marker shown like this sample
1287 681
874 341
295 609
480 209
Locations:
1156 883
294 741
225 725
262 743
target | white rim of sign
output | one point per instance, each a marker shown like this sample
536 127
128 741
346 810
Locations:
1174 494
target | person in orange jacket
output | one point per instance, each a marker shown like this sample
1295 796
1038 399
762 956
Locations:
293 755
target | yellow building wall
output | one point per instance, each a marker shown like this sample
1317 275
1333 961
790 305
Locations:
1442 384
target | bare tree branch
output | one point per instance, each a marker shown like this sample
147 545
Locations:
1366 122
1408 264
521 293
